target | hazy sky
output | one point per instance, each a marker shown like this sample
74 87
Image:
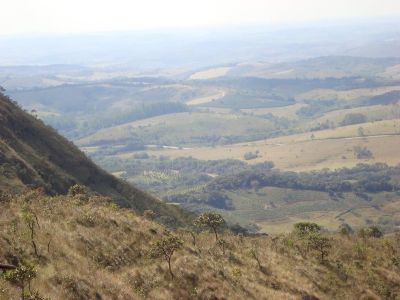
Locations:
39 16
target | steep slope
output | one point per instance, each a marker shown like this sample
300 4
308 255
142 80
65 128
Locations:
35 155
90 250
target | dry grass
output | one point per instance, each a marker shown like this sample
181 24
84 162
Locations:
392 72
331 148
88 249
206 99
358 217
210 73
347 95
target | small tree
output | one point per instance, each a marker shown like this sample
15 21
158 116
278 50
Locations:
222 245
22 277
254 254
193 230
361 131
320 244
303 229
32 222
362 152
211 220
166 248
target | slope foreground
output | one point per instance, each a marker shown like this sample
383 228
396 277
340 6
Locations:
83 247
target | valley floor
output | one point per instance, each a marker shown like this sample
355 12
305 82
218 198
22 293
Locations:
333 148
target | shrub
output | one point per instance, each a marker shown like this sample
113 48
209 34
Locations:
250 156
149 214
362 152
345 229
374 231
371 231
76 190
22 277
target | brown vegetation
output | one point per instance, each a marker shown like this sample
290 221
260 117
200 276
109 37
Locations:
87 248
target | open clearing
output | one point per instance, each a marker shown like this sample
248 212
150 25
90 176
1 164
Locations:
210 73
206 99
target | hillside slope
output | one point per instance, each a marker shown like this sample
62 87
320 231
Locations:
91 250
35 155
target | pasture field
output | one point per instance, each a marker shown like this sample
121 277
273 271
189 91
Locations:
333 148
206 99
358 216
275 210
346 95
372 113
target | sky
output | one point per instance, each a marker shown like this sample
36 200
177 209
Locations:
76 16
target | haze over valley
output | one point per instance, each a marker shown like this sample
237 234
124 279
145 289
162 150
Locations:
172 121
280 138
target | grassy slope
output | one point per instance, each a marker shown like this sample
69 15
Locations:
90 250
372 113
33 154
181 128
319 67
